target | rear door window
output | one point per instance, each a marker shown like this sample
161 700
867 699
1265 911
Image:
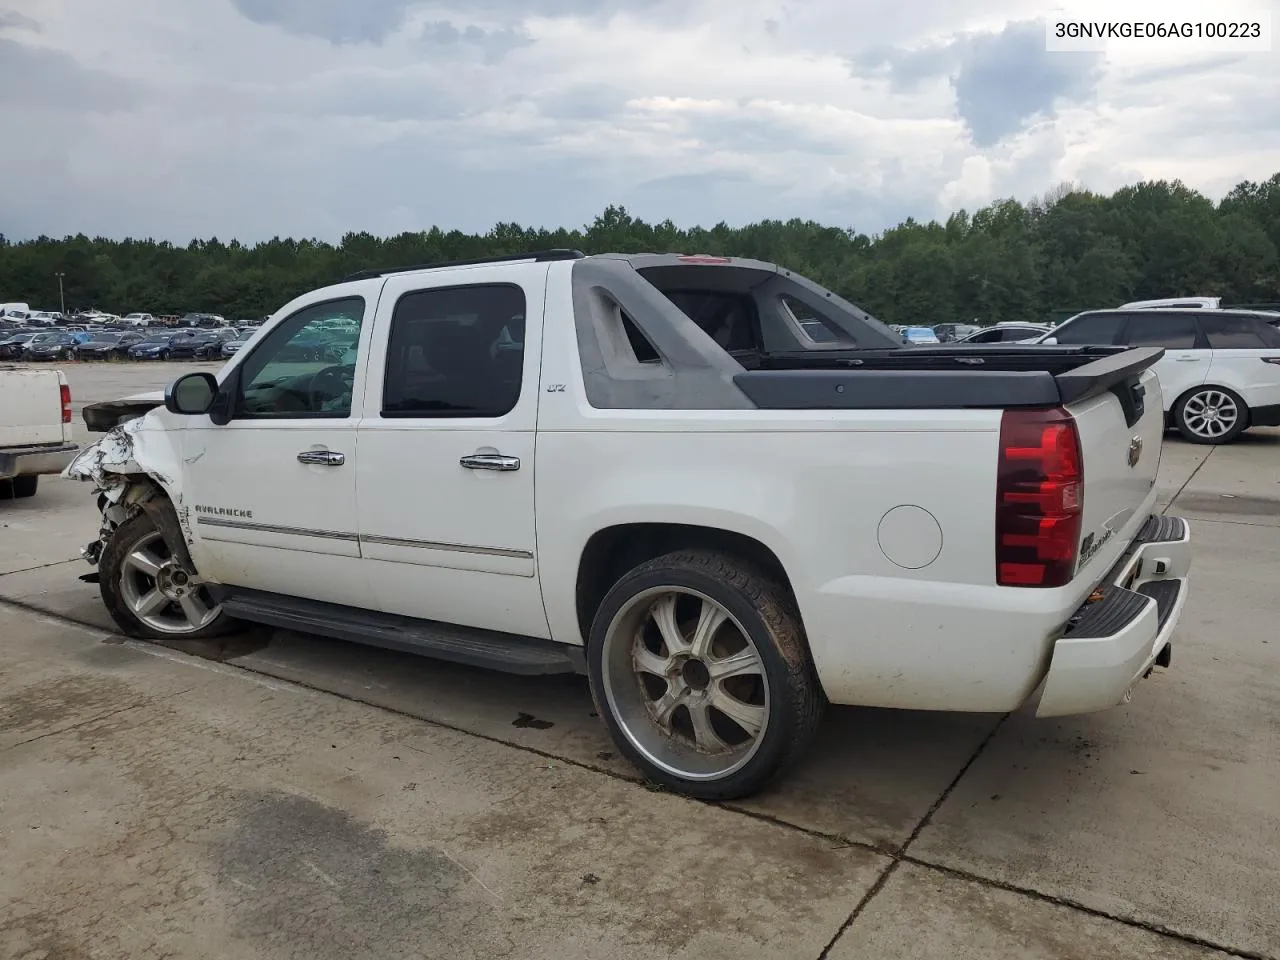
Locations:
455 352
1097 329
1174 331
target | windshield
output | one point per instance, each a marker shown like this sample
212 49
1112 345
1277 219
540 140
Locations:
155 340
106 338
47 338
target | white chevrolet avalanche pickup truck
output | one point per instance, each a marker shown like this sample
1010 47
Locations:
35 428
647 469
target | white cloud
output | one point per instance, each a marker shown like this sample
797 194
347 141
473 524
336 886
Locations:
313 117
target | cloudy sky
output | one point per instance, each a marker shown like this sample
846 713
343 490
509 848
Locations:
254 118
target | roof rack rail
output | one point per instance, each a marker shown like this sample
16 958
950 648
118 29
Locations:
538 256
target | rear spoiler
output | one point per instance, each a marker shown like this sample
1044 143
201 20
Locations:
1105 374
900 387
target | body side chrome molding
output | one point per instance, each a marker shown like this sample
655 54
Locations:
274 528
369 538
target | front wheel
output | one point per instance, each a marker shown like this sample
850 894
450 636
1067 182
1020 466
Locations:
148 589
700 669
1212 415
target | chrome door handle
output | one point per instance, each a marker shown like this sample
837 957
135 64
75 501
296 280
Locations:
1188 359
322 458
490 461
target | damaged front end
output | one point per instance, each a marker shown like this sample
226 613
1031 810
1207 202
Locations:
130 467
103 416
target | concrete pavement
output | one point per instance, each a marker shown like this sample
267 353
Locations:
143 792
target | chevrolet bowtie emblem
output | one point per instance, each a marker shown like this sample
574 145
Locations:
1135 451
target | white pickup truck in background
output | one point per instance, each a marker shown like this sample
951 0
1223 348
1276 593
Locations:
35 428
648 469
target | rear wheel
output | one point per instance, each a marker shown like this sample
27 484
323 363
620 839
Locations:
1211 415
150 591
700 670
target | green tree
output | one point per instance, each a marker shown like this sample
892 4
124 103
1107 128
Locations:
1068 249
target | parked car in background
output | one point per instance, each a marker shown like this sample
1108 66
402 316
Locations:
107 345
1220 373
919 335
35 428
230 347
201 345
11 347
137 319
1192 303
950 332
45 318
55 345
1009 332
155 346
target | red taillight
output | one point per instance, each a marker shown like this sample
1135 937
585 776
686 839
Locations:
1039 498
66 403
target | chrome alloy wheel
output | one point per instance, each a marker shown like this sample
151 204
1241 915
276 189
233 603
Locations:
162 593
685 683
1210 414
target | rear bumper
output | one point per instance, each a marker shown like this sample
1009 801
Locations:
35 460
1113 642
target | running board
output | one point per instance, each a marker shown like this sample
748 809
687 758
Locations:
509 653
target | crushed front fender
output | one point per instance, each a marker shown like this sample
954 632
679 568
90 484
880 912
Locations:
131 464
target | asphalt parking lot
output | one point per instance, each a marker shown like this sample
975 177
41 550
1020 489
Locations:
278 795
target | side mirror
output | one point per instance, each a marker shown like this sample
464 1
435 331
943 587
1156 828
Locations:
191 394
1048 340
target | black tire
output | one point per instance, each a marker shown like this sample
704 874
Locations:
113 572
1194 429
163 355
763 610
16 488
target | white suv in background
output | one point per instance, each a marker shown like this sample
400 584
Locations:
1220 373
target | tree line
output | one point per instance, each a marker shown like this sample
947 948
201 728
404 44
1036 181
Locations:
1066 251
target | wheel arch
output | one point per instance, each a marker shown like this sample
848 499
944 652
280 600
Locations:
612 551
